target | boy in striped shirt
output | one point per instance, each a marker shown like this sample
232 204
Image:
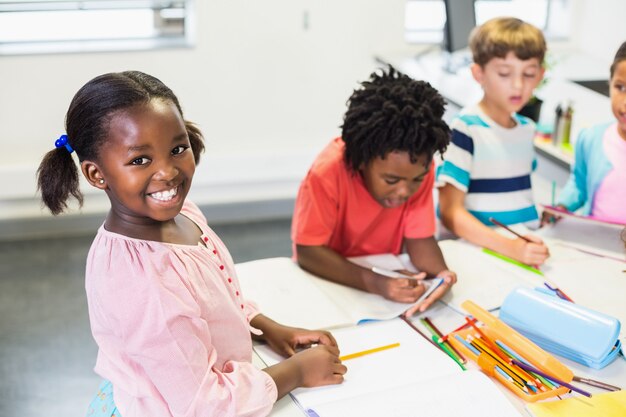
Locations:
487 167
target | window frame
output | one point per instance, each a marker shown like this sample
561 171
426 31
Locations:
183 38
435 36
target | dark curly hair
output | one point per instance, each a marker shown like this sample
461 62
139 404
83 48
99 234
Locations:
87 126
393 112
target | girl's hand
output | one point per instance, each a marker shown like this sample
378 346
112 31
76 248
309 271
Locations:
449 279
314 367
287 340
318 366
548 217
402 290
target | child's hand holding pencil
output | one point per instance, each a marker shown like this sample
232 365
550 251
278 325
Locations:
528 249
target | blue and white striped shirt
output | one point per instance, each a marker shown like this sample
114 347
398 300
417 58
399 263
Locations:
492 164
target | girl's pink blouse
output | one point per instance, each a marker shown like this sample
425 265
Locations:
172 327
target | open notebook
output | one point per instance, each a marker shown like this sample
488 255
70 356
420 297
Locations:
312 302
415 378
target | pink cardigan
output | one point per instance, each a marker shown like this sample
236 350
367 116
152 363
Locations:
172 327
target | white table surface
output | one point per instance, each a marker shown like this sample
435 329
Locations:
447 320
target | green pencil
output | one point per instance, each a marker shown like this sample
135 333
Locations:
512 261
448 351
435 332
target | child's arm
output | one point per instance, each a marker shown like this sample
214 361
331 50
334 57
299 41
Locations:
311 367
455 217
326 263
287 340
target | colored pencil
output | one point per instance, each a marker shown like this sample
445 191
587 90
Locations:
465 325
550 377
513 261
508 377
412 326
558 292
368 352
488 341
449 353
430 325
507 228
503 364
528 379
467 345
598 384
542 383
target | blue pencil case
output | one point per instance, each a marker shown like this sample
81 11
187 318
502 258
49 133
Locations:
564 328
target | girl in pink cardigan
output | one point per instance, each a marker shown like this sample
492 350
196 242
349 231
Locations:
166 310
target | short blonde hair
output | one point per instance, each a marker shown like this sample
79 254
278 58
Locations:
497 37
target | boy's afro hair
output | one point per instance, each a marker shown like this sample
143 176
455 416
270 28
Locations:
393 112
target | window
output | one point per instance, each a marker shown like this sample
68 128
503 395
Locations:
49 26
425 19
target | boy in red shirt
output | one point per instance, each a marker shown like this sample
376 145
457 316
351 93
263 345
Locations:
370 191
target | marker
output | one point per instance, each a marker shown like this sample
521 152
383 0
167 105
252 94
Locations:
368 351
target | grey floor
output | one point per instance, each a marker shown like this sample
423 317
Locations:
46 350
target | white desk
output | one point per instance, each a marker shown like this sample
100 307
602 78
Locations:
447 320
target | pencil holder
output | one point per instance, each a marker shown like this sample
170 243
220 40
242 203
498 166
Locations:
511 341
564 328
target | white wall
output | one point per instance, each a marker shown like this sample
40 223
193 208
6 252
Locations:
267 93
599 28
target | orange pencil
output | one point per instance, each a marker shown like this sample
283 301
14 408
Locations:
489 343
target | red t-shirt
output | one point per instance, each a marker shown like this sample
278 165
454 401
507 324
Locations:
335 209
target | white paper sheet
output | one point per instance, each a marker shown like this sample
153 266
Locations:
468 394
415 377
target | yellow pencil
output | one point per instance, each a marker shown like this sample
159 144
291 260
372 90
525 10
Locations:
367 352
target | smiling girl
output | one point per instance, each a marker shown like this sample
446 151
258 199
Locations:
165 306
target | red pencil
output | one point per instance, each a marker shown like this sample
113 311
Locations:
504 226
465 325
